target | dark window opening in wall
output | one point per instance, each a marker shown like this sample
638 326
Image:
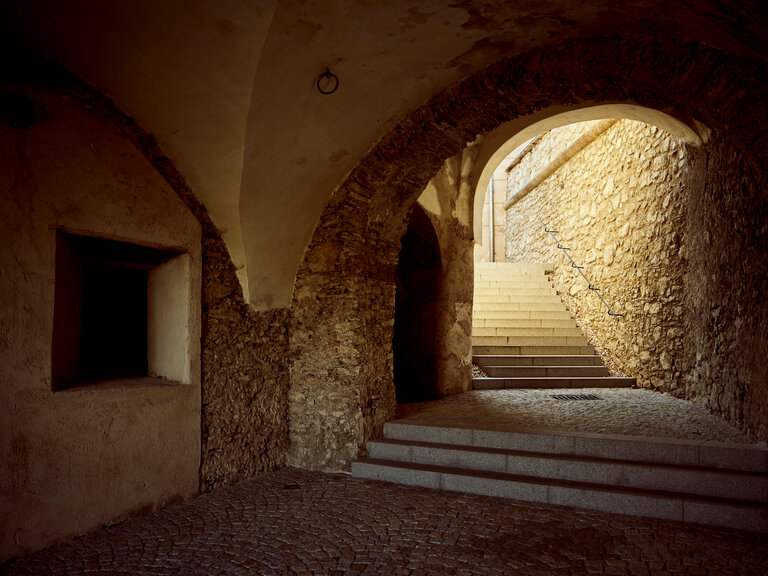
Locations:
114 321
105 291
414 344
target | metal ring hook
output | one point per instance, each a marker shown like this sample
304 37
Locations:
330 76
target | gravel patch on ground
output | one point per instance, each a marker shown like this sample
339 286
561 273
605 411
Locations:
633 412
478 372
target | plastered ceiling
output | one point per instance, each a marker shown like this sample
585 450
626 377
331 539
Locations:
228 86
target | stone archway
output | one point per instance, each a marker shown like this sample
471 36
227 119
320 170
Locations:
341 392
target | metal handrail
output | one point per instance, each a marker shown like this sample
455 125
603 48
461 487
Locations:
574 265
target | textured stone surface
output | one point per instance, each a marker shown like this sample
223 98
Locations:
245 379
674 236
619 206
298 522
726 288
345 285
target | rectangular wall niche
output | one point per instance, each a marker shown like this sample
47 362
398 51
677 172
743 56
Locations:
121 311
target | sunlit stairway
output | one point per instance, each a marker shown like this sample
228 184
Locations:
686 480
523 336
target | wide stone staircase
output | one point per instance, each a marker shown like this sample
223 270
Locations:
687 480
524 337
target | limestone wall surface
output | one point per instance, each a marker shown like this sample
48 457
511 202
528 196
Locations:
619 206
245 378
725 290
635 207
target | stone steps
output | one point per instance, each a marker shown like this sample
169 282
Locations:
508 306
501 327
531 298
551 382
487 360
524 323
688 480
507 350
531 290
543 266
523 285
492 311
507 330
529 341
546 371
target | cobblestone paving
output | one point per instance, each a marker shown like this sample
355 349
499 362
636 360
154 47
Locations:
299 522
624 411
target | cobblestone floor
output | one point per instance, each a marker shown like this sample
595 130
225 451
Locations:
299 522
624 411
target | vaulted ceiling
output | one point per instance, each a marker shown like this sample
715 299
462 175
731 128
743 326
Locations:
228 86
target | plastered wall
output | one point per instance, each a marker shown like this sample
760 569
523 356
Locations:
77 458
670 233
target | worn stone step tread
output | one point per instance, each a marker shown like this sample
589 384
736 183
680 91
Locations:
572 457
530 340
547 371
511 284
513 288
697 452
495 349
495 306
537 360
527 331
608 488
523 314
747 457
517 296
548 382
524 322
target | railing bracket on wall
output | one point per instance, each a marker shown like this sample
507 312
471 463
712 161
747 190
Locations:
579 268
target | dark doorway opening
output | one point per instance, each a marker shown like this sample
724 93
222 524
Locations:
415 335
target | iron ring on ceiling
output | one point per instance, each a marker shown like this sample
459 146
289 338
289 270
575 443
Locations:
327 87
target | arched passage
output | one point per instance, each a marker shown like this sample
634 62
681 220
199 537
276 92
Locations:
414 341
346 281
499 143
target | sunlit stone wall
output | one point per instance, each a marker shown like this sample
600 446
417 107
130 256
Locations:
630 206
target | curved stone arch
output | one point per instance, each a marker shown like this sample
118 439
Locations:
344 290
499 143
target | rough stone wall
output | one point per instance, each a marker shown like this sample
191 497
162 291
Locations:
245 378
543 152
341 391
619 205
672 235
344 292
725 290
